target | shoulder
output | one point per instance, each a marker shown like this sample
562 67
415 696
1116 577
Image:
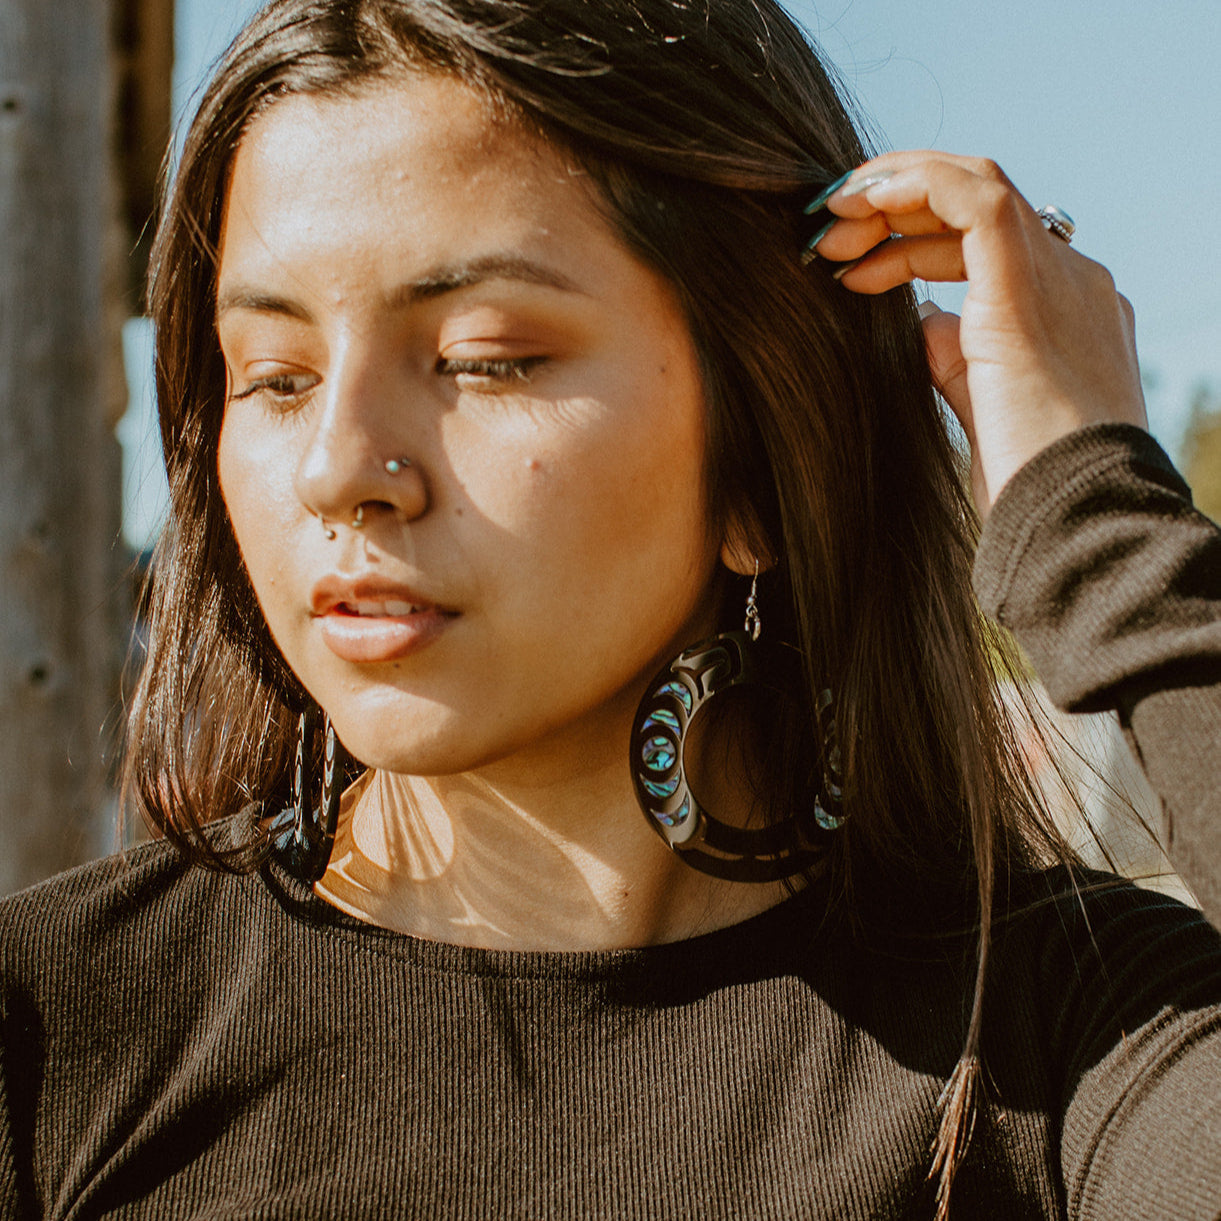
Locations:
1093 959
121 906
1092 915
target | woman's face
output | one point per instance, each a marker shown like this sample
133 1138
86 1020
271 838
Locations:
405 276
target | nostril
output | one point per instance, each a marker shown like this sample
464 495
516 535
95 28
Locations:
368 509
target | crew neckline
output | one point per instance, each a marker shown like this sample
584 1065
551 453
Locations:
760 939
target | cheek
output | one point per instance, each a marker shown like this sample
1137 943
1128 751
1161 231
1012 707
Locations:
601 504
255 477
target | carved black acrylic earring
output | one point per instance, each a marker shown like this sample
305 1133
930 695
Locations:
303 834
674 698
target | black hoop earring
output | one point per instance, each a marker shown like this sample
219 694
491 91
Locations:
302 834
672 700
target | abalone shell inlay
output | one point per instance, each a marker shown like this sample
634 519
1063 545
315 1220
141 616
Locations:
825 819
661 788
662 716
680 692
658 754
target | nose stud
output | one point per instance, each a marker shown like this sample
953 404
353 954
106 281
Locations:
393 466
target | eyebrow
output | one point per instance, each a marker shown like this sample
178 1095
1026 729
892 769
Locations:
489 267
428 287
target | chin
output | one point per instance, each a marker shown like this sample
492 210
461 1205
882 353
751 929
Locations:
433 745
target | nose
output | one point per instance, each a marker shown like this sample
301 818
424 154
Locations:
359 462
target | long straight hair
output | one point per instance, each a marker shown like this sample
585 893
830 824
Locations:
705 125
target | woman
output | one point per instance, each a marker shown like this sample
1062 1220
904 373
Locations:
505 352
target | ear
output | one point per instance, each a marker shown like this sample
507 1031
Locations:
739 555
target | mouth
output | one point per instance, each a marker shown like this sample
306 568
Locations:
390 609
361 623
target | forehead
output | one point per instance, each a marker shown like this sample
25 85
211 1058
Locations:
420 112
415 167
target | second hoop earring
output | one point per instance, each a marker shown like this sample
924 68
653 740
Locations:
303 834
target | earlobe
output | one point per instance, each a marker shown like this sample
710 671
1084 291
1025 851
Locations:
736 555
739 556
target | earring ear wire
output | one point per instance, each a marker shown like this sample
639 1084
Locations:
754 624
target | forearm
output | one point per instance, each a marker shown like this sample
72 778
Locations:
1094 557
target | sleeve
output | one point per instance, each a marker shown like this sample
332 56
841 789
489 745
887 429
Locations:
1136 1034
1111 581
8 1159
15 1200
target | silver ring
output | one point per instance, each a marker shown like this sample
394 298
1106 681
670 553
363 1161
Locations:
1056 220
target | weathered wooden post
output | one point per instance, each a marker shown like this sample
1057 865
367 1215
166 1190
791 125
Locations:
63 283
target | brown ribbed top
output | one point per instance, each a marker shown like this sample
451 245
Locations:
176 1043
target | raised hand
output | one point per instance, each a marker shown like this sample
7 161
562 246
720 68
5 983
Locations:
1045 344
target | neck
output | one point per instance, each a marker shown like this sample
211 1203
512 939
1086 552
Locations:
500 860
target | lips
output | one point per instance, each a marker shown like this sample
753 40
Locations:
372 620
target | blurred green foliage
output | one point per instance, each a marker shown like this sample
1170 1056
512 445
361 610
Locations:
1202 449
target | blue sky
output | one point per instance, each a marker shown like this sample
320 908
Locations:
1109 108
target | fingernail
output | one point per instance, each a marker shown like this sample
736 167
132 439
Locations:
870 180
926 309
841 271
810 251
821 198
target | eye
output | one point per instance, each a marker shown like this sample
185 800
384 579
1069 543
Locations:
285 388
501 371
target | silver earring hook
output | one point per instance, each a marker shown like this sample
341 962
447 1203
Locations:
753 624
328 531
358 522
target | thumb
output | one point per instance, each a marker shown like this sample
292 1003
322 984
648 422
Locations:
947 364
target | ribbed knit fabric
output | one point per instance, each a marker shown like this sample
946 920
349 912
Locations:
176 1044
1096 560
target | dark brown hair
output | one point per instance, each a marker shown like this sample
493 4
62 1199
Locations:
705 124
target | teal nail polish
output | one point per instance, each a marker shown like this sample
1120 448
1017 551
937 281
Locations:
870 180
844 268
820 200
820 235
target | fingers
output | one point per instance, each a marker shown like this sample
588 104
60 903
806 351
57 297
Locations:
949 369
947 363
902 259
1045 344
931 194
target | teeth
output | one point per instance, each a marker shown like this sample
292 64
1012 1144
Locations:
381 610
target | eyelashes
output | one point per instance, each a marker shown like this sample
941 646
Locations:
284 386
519 369
290 388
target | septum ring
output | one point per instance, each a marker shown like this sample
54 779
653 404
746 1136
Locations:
393 466
1057 222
